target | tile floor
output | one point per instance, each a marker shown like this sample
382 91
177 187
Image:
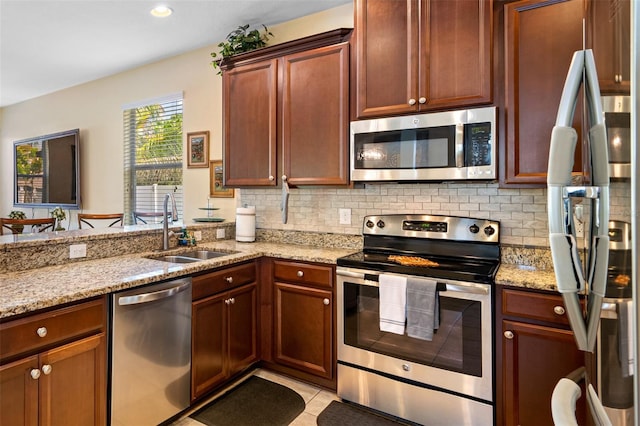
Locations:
315 399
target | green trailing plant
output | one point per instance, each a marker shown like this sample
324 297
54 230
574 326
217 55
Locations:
239 41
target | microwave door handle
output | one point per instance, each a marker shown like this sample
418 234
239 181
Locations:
459 145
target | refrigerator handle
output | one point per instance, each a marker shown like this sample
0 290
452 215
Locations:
564 248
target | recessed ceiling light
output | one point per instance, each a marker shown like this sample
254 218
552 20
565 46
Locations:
161 11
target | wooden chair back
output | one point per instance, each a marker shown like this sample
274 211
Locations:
144 217
37 225
115 218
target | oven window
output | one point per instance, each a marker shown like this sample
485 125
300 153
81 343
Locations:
405 149
456 345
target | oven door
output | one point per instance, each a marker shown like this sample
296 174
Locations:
459 358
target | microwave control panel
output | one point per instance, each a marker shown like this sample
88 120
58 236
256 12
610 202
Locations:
477 144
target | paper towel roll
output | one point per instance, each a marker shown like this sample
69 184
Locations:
246 223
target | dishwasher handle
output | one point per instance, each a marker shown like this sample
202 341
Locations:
137 299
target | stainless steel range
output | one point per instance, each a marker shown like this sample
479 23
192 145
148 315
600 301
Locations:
415 318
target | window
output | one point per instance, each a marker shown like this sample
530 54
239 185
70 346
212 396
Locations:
152 158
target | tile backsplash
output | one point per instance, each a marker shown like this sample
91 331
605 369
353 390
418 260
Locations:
521 212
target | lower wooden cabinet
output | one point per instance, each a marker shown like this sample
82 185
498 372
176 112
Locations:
55 383
304 321
303 333
537 350
224 328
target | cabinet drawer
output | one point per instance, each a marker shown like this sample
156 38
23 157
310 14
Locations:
303 273
543 307
38 331
223 279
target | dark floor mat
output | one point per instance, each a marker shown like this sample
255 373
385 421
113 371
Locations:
255 402
341 414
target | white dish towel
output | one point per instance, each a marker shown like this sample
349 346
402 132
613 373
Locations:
393 303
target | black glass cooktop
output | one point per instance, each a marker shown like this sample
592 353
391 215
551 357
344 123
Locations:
460 269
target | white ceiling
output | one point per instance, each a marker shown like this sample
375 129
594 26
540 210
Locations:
49 45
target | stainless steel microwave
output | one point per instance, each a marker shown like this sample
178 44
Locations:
617 119
440 146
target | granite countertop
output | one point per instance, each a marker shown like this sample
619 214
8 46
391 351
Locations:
34 289
526 277
45 287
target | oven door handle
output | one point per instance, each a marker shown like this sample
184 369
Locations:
469 288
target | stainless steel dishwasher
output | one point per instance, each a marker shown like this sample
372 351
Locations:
150 353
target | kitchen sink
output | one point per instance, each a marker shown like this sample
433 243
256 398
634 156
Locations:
203 254
190 256
176 259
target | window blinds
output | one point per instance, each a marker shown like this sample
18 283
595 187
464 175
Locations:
152 158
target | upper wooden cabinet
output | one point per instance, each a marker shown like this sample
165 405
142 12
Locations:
420 55
286 113
539 41
609 35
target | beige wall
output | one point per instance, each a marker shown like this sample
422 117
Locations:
96 109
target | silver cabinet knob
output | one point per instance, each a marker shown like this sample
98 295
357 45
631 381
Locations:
271 178
46 369
406 367
42 331
232 300
325 301
412 101
35 374
508 334
284 178
229 279
226 301
559 310
422 100
300 274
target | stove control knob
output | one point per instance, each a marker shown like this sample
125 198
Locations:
474 229
369 224
489 231
380 224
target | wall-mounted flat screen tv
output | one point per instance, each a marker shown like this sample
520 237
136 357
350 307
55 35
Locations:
47 171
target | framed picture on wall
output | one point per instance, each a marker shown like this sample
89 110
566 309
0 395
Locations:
198 149
216 189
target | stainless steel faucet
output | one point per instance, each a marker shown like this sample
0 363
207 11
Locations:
165 219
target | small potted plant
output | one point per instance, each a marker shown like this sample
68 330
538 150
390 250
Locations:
17 214
239 41
59 215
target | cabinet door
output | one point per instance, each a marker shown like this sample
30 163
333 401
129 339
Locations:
208 344
609 29
535 358
387 57
73 383
540 40
315 110
304 328
250 137
457 38
243 334
19 393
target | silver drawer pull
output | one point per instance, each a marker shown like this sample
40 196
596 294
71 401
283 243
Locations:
46 369
35 374
508 334
41 331
229 279
559 310
300 274
326 301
